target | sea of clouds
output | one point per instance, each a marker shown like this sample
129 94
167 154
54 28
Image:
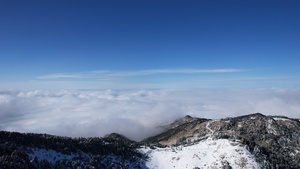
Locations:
135 114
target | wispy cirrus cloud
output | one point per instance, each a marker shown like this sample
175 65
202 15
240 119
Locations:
107 74
173 71
158 79
59 75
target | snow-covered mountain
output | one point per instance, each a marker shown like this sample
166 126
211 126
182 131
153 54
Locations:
252 141
274 141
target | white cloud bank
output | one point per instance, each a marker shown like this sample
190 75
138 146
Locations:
135 114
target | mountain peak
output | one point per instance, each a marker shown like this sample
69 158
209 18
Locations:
188 117
116 136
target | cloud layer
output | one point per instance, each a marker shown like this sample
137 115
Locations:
136 114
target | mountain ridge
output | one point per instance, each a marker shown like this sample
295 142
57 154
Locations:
269 141
274 140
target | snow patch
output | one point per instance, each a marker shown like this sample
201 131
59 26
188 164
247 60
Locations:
205 154
53 156
282 119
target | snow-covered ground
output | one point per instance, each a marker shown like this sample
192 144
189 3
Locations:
54 156
208 153
205 154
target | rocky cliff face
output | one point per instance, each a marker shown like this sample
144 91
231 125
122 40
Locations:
267 141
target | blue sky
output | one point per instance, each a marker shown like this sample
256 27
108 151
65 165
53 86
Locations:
149 44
